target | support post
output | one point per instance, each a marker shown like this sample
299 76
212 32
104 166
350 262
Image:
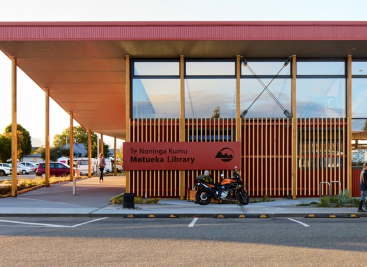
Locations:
47 137
14 126
98 146
294 125
349 124
71 144
238 98
182 137
114 157
89 154
126 78
102 145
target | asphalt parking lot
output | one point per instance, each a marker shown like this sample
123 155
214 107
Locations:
75 241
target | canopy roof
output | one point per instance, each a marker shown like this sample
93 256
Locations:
82 62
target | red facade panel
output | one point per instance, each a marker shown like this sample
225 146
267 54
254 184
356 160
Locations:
287 31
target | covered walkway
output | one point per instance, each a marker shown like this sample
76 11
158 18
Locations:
91 196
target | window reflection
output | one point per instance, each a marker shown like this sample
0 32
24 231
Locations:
359 125
156 98
359 97
265 106
359 68
265 68
210 68
320 68
210 98
321 97
156 68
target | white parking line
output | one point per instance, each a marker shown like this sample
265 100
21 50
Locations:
31 223
301 223
193 222
95 220
53 225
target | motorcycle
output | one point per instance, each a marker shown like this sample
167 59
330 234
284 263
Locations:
228 189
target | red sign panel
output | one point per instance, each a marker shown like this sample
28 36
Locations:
181 156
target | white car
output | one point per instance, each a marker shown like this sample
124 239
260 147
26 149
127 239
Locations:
82 165
29 166
22 170
5 169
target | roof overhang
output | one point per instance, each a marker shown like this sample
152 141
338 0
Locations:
82 62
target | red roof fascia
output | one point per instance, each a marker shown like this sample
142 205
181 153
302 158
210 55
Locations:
190 30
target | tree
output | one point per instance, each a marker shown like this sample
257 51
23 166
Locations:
55 153
24 140
216 113
5 148
81 137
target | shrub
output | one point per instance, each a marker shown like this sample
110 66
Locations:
341 200
324 202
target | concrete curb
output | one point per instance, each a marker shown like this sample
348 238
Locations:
191 215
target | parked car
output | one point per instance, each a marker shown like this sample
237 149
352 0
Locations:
22 169
56 169
81 164
5 169
30 166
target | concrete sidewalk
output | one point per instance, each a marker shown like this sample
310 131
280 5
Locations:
92 200
58 198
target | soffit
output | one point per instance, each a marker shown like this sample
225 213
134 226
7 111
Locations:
87 77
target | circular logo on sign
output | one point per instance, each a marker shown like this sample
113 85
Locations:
225 154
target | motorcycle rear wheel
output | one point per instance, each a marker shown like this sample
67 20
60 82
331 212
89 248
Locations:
203 198
243 197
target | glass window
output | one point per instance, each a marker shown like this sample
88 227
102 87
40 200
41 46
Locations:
359 125
320 68
156 98
210 98
156 68
265 68
210 135
359 68
266 105
321 97
210 68
359 98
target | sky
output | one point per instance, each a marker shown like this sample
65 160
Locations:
31 97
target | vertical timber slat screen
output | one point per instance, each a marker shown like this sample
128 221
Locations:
266 156
208 130
157 183
321 156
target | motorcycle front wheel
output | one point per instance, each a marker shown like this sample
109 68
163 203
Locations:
243 197
202 197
